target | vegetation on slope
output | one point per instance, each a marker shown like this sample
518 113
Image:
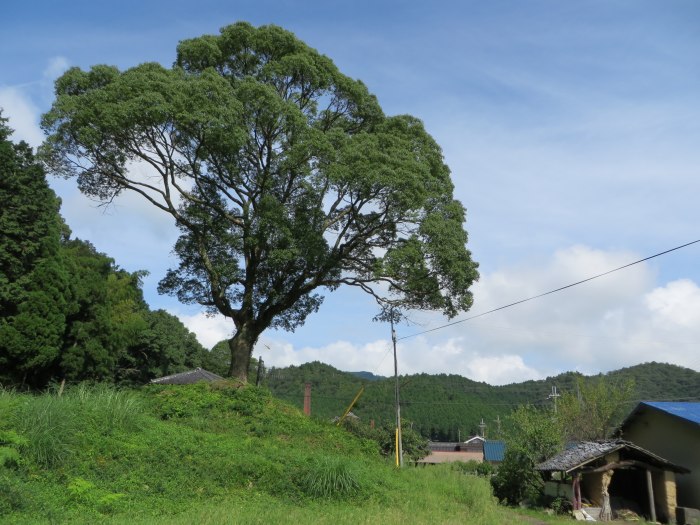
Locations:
97 454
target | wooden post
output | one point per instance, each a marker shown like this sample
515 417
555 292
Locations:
606 510
576 493
579 504
650 489
307 399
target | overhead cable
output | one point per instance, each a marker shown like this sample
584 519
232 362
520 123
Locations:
547 293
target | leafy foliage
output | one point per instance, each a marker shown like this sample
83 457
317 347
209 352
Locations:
592 411
534 436
34 292
291 180
66 310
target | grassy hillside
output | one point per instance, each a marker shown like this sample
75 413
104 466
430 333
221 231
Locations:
447 407
217 453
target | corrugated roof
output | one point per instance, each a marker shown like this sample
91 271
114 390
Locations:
688 411
588 451
494 450
187 378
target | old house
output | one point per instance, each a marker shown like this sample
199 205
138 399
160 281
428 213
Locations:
614 475
442 452
473 449
671 430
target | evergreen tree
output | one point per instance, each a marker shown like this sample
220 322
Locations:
34 291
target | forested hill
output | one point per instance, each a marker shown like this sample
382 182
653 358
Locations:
449 407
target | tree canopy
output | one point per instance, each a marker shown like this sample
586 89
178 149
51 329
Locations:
283 175
66 310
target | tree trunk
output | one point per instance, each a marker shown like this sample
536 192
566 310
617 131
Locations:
241 346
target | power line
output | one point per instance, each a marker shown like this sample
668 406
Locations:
547 293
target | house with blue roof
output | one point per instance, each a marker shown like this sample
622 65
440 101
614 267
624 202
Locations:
670 430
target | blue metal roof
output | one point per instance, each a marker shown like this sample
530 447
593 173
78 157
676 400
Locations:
494 450
688 411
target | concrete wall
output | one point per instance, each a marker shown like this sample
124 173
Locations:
664 485
673 439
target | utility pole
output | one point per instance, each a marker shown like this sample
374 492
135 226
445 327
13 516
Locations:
399 445
554 396
498 425
261 371
482 427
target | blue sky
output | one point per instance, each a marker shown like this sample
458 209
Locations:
571 129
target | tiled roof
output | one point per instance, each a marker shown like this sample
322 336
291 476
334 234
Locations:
187 378
578 455
444 446
494 450
688 411
588 451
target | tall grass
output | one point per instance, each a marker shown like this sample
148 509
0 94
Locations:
54 425
413 495
106 406
331 478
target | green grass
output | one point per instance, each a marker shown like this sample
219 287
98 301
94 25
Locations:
220 453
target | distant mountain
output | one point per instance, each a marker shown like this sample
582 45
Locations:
369 376
449 407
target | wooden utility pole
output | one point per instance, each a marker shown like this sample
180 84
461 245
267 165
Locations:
399 445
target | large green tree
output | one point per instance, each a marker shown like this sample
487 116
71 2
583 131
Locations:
284 176
66 310
34 282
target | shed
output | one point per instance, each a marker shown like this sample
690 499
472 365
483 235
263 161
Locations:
187 378
671 430
617 470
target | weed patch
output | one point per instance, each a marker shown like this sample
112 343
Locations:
331 478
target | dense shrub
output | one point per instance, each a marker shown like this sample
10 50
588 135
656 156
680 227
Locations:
414 445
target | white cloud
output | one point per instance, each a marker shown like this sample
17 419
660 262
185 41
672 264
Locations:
19 105
615 321
373 356
56 67
501 370
208 329
676 305
23 115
